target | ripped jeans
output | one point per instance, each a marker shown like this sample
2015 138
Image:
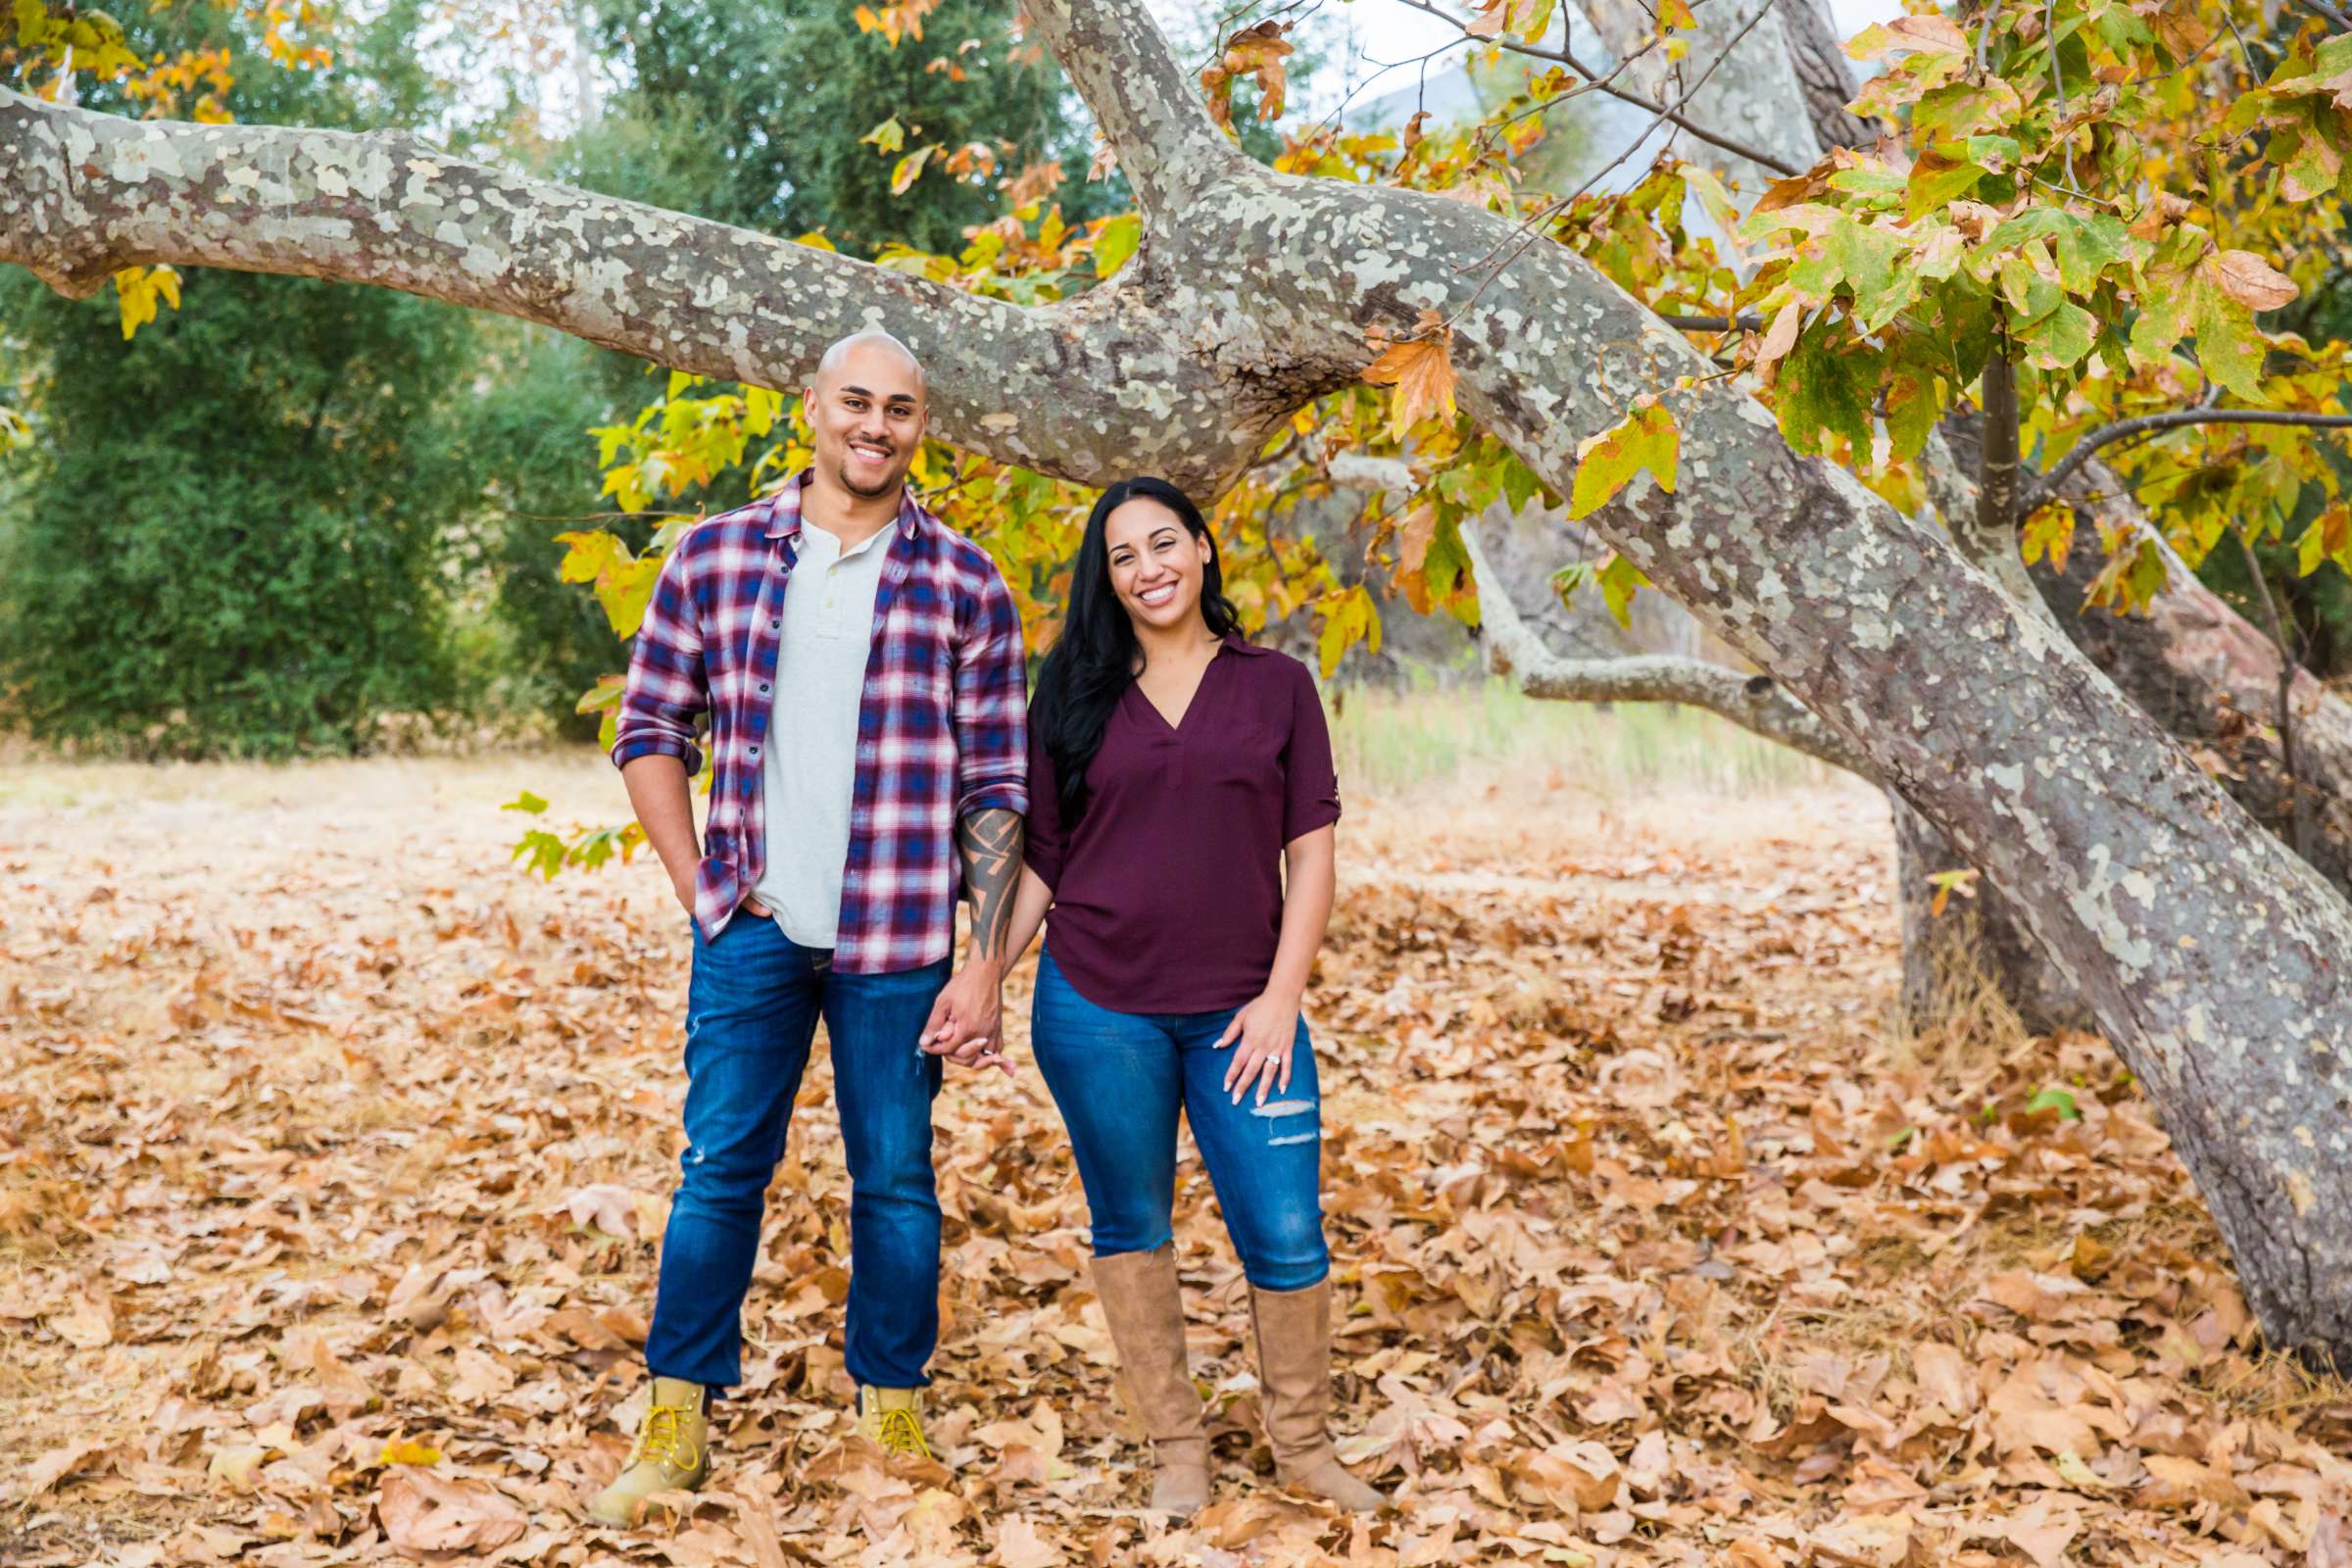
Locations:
1120 1078
751 1013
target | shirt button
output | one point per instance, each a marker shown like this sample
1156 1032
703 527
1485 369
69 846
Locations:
775 625
764 686
755 750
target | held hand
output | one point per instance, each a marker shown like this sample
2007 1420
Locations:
967 1022
989 1052
1266 1028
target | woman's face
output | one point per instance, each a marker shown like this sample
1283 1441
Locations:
1157 564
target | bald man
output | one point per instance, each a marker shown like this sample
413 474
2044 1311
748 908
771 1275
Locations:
860 670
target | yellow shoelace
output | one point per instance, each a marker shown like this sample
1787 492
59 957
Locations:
664 1441
900 1432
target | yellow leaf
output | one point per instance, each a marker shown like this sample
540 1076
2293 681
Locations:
408 1451
909 170
1422 374
1645 438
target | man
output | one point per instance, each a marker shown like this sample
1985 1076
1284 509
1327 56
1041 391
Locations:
860 667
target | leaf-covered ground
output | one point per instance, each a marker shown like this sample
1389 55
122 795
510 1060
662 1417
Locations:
334 1156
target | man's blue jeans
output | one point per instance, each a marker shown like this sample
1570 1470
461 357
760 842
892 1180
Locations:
750 1014
1120 1078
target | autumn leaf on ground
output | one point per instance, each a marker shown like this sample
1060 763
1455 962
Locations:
408 1451
1019 1545
1645 439
424 1513
1421 373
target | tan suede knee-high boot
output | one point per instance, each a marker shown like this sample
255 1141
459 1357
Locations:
1145 1305
1293 1329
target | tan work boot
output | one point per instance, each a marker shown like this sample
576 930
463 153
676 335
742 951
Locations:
1145 1305
892 1418
673 1452
1293 1329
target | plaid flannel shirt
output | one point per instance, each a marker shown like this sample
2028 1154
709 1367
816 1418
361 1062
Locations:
940 723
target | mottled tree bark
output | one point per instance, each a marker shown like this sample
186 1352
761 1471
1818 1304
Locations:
2201 670
2218 964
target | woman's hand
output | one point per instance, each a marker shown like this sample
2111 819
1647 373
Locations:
1266 1028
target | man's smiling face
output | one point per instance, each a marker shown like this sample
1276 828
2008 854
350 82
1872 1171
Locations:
867 415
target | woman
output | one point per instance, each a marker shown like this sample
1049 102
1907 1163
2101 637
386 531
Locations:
1175 772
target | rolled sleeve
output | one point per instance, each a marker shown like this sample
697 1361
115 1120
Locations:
667 693
992 731
1310 781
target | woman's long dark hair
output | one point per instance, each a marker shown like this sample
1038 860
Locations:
1093 661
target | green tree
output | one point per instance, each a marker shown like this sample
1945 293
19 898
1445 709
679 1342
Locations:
237 524
738 112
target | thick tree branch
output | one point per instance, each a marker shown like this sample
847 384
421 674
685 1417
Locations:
1755 702
1089 389
1143 102
2045 486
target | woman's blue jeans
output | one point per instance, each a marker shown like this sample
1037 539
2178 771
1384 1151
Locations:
1120 1078
750 1014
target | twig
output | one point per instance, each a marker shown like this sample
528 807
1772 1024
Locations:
1744 321
1531 226
2048 485
2049 30
2331 12
2298 820
1563 56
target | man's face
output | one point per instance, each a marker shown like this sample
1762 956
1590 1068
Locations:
867 415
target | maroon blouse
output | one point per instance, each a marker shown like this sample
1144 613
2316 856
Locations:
1167 891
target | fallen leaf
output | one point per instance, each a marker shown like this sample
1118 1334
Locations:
423 1514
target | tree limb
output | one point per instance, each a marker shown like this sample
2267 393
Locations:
2044 487
1755 702
1141 101
1089 389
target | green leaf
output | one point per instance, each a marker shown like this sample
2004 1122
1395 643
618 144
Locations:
2162 314
2060 339
1912 409
887 137
526 802
2053 1097
1569 579
1825 388
1619 579
1645 438
2228 346
1870 260
1936 181
541 851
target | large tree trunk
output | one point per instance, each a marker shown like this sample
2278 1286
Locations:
1974 956
2197 667
2218 964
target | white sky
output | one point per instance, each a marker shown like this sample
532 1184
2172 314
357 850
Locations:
1379 31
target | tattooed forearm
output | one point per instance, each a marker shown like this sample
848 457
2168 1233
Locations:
990 845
